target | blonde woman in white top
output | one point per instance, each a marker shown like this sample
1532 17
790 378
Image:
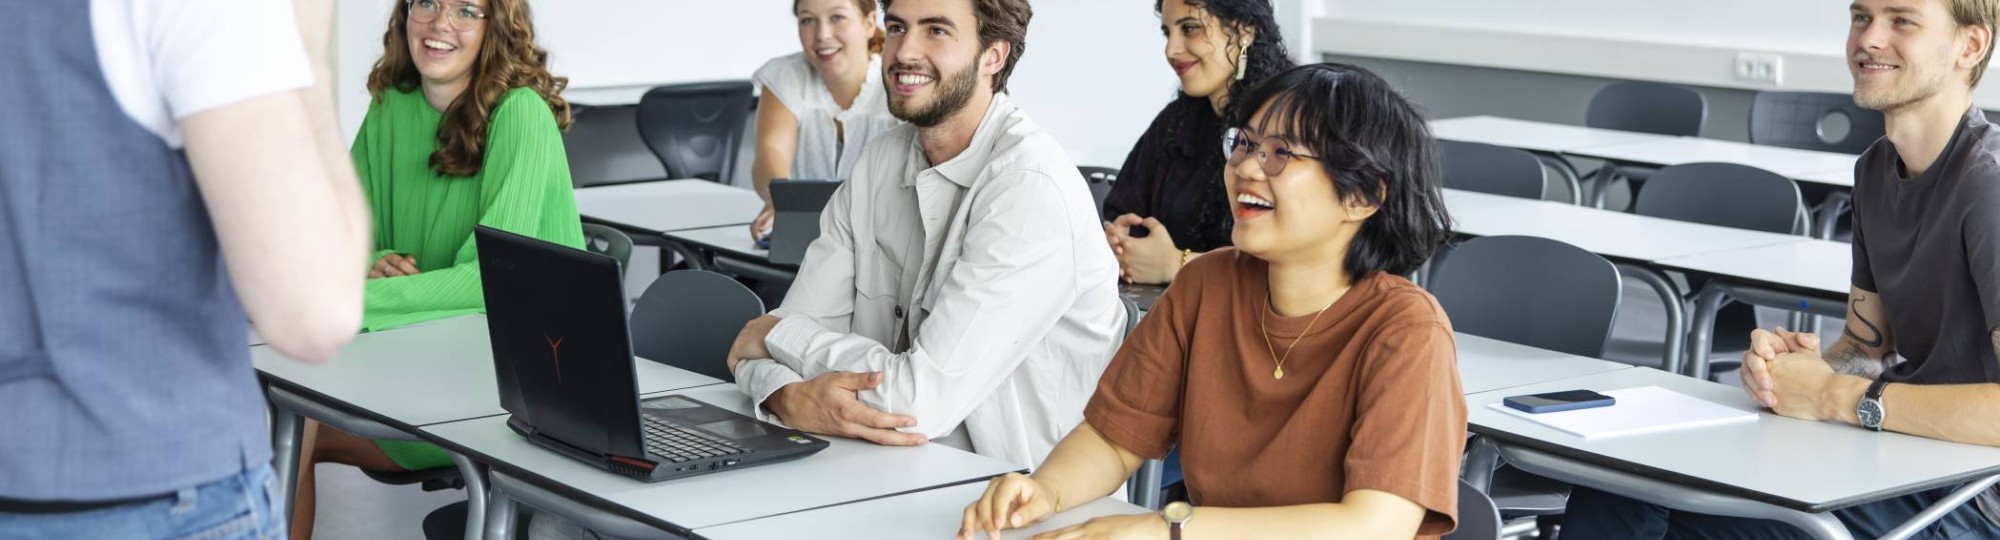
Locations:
821 105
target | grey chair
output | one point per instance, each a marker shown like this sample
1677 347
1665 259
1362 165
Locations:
1821 121
1100 179
1478 518
1725 195
689 318
696 129
605 240
1528 290
604 147
1493 169
1645 107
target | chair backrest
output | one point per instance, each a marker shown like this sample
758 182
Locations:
604 240
1132 314
1478 517
696 129
1648 107
1529 290
1821 121
1100 179
604 147
1493 169
1724 195
689 318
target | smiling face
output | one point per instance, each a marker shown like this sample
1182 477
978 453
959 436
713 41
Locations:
1293 214
1903 52
1199 49
933 64
445 43
834 35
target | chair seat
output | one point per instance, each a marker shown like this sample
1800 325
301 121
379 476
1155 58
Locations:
1518 493
437 479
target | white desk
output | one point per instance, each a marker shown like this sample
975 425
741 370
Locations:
669 205
729 249
1616 235
935 513
1488 364
1774 468
1804 165
1534 136
1811 276
845 472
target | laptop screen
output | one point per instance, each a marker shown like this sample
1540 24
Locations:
561 349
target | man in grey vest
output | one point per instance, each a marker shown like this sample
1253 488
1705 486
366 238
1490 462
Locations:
168 170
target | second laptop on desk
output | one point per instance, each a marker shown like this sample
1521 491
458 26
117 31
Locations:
796 225
562 354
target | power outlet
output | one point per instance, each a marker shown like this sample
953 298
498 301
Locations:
1760 68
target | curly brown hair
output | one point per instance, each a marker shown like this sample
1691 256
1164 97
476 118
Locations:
508 59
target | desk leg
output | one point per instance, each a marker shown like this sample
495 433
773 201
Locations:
1702 334
476 502
499 514
1146 484
288 430
1481 459
1957 498
1670 296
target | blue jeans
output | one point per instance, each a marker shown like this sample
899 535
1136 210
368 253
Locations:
239 507
1596 515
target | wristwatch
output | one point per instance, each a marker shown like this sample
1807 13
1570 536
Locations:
1177 514
1870 411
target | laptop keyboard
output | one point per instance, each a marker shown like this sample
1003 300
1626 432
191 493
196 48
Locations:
680 445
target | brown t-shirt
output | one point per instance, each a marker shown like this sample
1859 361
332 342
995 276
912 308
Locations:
1370 398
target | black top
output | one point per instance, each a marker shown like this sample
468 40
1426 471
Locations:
1174 174
1930 247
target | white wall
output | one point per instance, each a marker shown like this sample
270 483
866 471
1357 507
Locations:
1093 74
1808 26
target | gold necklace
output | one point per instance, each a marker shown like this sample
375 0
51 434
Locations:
1279 373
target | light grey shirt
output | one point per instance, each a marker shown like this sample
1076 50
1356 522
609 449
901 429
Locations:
982 288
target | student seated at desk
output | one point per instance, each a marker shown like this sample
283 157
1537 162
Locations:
960 288
820 106
1171 184
1926 283
449 143
1313 390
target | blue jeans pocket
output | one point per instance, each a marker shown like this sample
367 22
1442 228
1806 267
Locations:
239 508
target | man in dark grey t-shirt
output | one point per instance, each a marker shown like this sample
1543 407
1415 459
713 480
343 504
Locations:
1926 282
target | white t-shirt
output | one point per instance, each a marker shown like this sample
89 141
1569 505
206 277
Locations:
166 60
821 154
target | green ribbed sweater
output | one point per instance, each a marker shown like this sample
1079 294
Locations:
523 187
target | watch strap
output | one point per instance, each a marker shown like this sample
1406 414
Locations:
1875 389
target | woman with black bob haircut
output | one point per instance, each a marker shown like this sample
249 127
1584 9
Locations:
1312 389
1167 207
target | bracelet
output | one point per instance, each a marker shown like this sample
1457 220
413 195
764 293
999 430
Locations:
1058 499
1185 253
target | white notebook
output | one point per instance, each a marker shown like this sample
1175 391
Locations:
1645 409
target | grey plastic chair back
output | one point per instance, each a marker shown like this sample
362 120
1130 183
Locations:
604 147
604 240
1529 290
1813 121
1725 195
1478 518
1100 179
689 318
1648 107
696 129
1493 169
1131 314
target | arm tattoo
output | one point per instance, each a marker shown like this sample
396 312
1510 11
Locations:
1851 359
1872 343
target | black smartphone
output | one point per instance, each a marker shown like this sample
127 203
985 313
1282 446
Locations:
1559 401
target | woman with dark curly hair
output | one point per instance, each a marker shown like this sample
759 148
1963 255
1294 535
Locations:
1167 203
464 129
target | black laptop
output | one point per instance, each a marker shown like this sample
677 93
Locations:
562 353
798 204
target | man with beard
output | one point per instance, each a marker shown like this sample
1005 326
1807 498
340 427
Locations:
961 278
1926 283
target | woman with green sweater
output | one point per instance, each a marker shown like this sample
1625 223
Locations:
464 129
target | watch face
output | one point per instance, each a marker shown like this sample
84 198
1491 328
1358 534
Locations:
1870 413
1177 511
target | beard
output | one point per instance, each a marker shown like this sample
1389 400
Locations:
953 92
1892 95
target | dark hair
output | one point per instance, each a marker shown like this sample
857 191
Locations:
1000 20
1374 144
508 59
1268 56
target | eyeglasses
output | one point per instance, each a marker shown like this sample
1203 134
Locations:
1272 154
463 14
